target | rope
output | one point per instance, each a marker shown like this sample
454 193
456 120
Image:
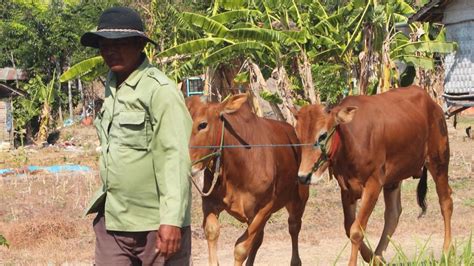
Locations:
324 157
218 154
214 181
253 146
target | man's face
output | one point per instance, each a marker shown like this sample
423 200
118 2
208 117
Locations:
121 55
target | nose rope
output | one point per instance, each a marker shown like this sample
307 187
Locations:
323 145
218 155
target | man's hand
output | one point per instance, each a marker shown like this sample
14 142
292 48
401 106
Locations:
168 240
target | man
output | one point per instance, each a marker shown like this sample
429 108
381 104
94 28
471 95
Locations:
144 128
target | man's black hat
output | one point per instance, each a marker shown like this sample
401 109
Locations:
116 23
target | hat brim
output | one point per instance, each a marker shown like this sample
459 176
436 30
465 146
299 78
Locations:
91 39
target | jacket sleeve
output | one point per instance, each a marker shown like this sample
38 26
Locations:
171 161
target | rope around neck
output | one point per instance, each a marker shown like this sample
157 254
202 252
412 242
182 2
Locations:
217 154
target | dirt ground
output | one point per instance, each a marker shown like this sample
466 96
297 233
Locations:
41 213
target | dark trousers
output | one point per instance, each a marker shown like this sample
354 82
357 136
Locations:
135 248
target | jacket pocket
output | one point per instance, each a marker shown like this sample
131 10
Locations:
133 130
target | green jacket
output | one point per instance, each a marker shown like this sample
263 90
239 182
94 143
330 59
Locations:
144 130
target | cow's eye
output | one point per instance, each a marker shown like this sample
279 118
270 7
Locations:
202 125
322 137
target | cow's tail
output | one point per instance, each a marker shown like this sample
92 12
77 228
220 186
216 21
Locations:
421 190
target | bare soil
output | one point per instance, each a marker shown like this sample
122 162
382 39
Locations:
41 213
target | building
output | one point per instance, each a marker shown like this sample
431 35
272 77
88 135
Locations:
8 79
458 18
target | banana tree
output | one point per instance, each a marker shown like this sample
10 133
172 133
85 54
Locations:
334 37
226 39
384 44
162 21
420 51
87 70
46 97
290 17
367 46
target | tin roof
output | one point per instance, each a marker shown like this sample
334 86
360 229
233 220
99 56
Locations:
431 12
9 73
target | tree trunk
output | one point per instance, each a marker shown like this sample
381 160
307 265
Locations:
286 94
207 83
60 114
365 60
44 122
304 68
257 84
386 67
69 93
81 91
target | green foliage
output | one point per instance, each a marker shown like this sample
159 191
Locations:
467 257
242 78
331 80
193 35
425 257
208 25
235 15
29 108
420 53
42 37
271 97
300 102
234 50
193 47
87 70
4 242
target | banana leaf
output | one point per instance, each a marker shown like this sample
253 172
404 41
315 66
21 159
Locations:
233 50
95 65
206 24
233 4
258 34
429 47
419 61
230 16
192 47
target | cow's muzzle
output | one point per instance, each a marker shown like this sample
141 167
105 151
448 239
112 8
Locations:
305 179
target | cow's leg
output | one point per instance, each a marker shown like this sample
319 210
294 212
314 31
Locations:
295 210
245 242
393 210
440 176
438 163
370 194
349 207
256 245
211 229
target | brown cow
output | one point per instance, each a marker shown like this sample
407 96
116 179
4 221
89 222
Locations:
253 182
370 143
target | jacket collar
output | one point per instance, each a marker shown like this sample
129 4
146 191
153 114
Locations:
136 75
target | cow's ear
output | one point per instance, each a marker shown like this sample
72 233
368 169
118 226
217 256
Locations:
346 114
234 103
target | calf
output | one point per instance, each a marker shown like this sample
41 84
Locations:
372 143
252 182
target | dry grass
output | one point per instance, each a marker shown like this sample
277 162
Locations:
42 218
27 234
